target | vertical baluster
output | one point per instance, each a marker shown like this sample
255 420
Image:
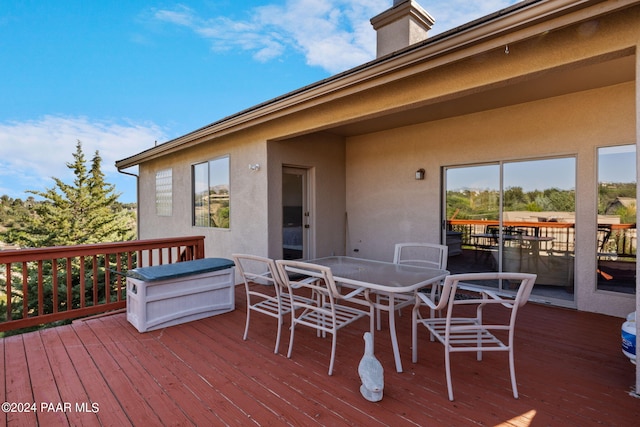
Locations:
54 283
25 290
119 276
40 289
95 279
69 284
107 280
8 290
82 282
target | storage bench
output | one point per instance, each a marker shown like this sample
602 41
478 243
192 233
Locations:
170 294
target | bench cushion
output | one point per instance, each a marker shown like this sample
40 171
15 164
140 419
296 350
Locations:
179 269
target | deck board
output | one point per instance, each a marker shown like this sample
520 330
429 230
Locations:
3 393
93 382
569 367
43 383
162 366
288 388
18 383
69 387
131 399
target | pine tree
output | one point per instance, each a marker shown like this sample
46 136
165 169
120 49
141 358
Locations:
83 213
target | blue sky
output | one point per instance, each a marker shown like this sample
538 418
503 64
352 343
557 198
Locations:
121 75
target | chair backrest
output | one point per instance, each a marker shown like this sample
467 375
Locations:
298 275
257 269
470 282
421 254
604 233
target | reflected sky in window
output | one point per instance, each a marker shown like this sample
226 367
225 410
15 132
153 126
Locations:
531 175
617 164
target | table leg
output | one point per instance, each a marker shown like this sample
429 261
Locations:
372 311
392 332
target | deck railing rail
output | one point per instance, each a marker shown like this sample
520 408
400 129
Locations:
44 285
619 239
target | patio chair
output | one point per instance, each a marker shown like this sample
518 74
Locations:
419 254
264 290
326 310
464 329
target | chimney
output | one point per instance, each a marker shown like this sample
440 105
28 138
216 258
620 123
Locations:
404 24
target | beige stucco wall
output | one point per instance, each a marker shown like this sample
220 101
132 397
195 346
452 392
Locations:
256 202
248 197
386 204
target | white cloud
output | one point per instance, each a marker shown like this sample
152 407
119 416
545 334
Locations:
453 13
31 152
332 34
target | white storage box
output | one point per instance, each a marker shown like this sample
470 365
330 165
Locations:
170 294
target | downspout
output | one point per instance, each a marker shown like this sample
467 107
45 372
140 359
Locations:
137 200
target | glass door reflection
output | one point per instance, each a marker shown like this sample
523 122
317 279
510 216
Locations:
515 216
616 242
538 218
473 215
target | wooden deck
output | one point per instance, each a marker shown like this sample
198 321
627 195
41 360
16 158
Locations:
569 365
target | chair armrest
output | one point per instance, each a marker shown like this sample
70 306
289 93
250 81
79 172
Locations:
426 300
495 296
353 293
265 279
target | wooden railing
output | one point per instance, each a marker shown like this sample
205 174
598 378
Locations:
44 285
620 239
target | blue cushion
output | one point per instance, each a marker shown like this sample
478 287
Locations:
180 269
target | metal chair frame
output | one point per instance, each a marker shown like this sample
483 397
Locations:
470 333
325 310
264 290
405 253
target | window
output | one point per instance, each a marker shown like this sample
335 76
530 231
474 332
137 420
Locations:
164 192
211 193
616 233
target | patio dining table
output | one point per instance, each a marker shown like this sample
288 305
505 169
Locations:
384 277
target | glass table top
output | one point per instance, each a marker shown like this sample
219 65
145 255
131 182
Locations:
380 275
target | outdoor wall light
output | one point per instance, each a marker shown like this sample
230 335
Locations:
420 174
255 167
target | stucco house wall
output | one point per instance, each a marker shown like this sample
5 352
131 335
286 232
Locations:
386 204
248 202
255 195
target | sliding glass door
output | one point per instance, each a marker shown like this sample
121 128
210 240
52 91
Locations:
516 216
